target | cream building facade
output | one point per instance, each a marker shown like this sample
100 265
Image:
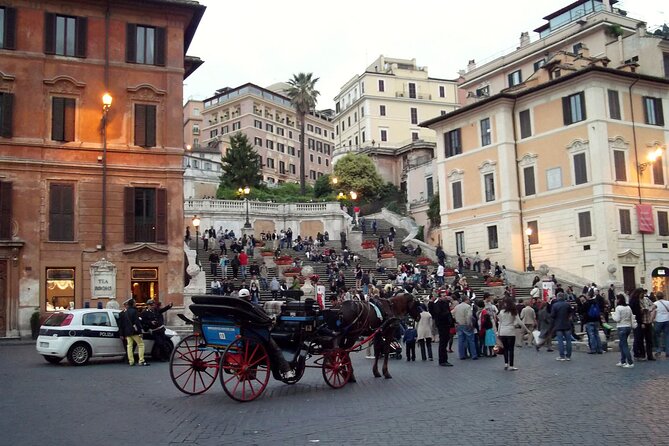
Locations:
269 121
566 157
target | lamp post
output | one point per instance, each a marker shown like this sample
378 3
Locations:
651 157
196 224
106 105
244 192
528 231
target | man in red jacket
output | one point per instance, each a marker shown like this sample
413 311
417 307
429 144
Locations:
243 263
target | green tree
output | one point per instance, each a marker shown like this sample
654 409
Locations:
322 186
434 211
303 95
357 173
241 164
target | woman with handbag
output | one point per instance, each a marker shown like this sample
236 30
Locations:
508 319
626 323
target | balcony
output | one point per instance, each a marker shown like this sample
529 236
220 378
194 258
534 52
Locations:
405 94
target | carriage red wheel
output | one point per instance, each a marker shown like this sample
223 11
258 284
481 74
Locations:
193 367
337 368
245 369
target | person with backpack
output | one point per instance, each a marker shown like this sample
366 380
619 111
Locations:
592 314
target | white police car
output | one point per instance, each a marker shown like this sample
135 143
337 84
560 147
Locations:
82 334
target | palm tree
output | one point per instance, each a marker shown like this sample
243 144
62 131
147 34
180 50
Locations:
302 94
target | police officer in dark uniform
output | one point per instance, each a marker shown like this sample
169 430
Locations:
152 319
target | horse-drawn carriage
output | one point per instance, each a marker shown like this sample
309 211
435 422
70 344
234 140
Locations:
237 342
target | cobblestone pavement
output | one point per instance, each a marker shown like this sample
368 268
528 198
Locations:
586 401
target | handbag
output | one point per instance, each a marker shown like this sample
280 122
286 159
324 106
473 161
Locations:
499 347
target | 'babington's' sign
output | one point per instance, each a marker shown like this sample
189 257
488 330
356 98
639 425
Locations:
103 279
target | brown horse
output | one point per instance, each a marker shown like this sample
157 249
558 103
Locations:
361 319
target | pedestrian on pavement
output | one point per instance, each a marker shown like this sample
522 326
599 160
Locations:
465 329
275 287
626 323
662 323
440 309
424 334
243 263
264 275
224 262
131 329
153 319
213 262
529 318
234 263
545 322
644 310
410 335
508 319
592 309
561 314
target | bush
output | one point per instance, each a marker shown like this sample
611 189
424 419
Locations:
420 235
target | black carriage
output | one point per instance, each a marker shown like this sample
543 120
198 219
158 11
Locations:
237 342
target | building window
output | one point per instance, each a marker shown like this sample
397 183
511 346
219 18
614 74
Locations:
270 163
269 128
257 124
460 242
554 178
312 174
620 165
145 45
577 48
489 185
625 221
311 143
6 114
269 144
257 141
658 171
382 85
663 223
539 63
442 91
59 289
515 78
525 124
492 237
414 115
145 125
614 104
236 126
65 36
412 90
327 162
652 111
485 132
5 210
457 194
225 129
573 108
282 167
62 119
452 143
580 169
584 225
7 28
145 215
382 110
429 186
414 136
534 226
290 134
384 135
310 128
61 212
483 92
280 131
207 166
528 175
196 129
292 169
311 157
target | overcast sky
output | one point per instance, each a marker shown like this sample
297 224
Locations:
267 41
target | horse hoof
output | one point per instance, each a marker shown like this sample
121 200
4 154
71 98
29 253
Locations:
352 379
387 377
377 375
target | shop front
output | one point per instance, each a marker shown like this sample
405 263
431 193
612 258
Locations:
660 280
144 284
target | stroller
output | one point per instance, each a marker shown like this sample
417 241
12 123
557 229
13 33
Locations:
395 350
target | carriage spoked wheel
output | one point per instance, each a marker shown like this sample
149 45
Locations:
337 367
193 367
245 369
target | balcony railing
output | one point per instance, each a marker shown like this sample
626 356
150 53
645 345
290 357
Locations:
259 207
405 94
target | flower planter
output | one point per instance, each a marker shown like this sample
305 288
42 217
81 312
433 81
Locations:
267 253
424 261
387 255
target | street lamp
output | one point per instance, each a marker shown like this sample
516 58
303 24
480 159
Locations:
106 105
651 157
196 224
528 231
335 180
244 192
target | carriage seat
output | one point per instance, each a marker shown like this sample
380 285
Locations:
308 307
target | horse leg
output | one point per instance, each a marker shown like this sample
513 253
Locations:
377 353
351 379
386 353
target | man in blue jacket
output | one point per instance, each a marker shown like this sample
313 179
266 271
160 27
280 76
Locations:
561 315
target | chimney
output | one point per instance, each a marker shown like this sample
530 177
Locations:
471 65
641 29
524 39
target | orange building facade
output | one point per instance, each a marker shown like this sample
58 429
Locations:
91 197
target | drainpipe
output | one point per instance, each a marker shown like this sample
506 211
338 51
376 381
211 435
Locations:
638 174
104 136
520 198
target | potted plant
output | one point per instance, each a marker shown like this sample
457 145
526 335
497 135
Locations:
283 260
267 252
368 244
424 261
35 323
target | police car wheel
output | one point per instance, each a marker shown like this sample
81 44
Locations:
52 359
79 354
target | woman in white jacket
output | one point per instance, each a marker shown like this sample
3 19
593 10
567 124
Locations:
425 334
626 323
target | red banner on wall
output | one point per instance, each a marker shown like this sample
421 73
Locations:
644 213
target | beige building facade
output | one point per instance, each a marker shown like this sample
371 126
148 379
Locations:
267 118
378 113
567 157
